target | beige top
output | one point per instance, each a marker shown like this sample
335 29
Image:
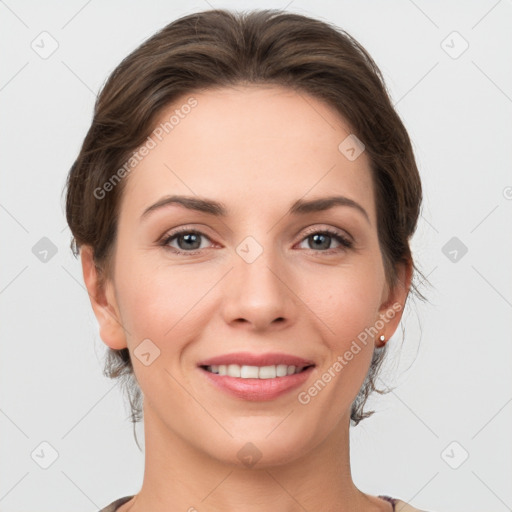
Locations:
398 505
401 506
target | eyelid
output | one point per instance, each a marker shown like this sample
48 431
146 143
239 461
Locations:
184 229
315 228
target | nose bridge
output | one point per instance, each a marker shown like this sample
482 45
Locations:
256 292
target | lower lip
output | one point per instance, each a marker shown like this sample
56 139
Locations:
258 389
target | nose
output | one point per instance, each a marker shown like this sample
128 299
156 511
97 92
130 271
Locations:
258 295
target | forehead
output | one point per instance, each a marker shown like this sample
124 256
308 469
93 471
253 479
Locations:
249 143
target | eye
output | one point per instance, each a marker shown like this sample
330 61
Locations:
322 239
188 241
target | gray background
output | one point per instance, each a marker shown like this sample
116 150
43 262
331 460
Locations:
451 371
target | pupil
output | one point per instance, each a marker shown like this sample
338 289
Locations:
190 238
318 238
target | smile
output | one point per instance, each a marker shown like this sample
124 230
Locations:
254 372
256 377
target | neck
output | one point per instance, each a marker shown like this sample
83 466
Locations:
177 476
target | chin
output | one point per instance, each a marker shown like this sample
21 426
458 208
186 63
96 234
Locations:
264 444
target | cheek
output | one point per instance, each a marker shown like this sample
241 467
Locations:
347 301
165 305
349 310
160 312
156 301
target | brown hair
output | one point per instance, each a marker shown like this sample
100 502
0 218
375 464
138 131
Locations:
219 48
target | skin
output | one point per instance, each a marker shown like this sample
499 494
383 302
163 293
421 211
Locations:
256 149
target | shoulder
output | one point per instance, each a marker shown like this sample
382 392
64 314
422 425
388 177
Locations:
116 504
402 506
399 505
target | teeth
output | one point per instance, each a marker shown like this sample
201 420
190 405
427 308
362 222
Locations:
281 370
254 372
268 372
249 372
233 370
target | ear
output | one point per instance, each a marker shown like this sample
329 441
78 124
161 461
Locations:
103 302
392 307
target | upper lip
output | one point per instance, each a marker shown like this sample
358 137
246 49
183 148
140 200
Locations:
248 359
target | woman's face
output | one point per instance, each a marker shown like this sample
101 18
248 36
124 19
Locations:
273 274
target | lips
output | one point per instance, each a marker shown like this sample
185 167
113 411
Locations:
266 379
248 359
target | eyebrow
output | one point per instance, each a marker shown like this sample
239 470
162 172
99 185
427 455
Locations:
211 207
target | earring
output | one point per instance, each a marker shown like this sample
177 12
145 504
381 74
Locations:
382 339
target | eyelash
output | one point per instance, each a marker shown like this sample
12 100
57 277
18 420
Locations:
345 242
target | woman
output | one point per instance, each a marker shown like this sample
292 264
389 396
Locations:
243 204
